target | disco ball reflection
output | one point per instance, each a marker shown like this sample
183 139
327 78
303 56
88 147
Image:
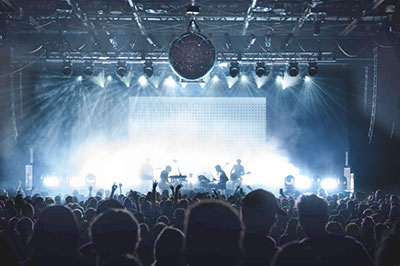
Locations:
192 56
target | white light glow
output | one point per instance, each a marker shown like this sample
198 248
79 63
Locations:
143 81
279 79
51 181
302 182
202 85
329 183
76 181
223 64
109 78
170 82
231 81
184 84
243 78
215 79
79 78
307 79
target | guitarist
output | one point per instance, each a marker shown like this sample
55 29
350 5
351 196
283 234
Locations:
222 178
237 172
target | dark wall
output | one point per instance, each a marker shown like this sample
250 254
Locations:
376 164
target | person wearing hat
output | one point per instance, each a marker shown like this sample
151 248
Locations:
259 210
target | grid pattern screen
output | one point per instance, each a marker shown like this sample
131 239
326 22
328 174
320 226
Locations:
226 120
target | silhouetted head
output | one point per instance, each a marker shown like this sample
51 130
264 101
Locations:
218 168
25 227
334 228
168 168
293 254
353 230
238 161
213 233
259 210
114 233
56 233
168 247
313 215
108 204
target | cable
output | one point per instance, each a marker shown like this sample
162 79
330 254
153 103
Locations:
350 55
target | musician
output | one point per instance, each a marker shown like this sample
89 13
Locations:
164 183
221 177
237 172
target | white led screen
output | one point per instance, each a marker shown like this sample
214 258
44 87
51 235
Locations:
225 120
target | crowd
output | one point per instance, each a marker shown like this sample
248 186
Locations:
197 229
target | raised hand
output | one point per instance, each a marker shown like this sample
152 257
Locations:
114 187
120 185
90 188
172 188
178 187
155 183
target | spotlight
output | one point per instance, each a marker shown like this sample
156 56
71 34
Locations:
260 69
51 181
227 42
243 78
279 79
329 183
148 68
67 68
79 78
312 69
121 70
302 182
142 81
215 79
170 82
109 78
307 79
234 69
88 68
293 69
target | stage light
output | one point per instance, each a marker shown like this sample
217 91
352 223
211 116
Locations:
250 41
227 42
279 79
109 78
122 69
67 68
307 79
51 181
88 68
215 79
224 64
143 81
293 69
260 69
243 78
170 82
234 69
329 183
148 69
79 78
302 182
312 69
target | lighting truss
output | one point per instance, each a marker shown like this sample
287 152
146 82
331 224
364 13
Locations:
162 57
